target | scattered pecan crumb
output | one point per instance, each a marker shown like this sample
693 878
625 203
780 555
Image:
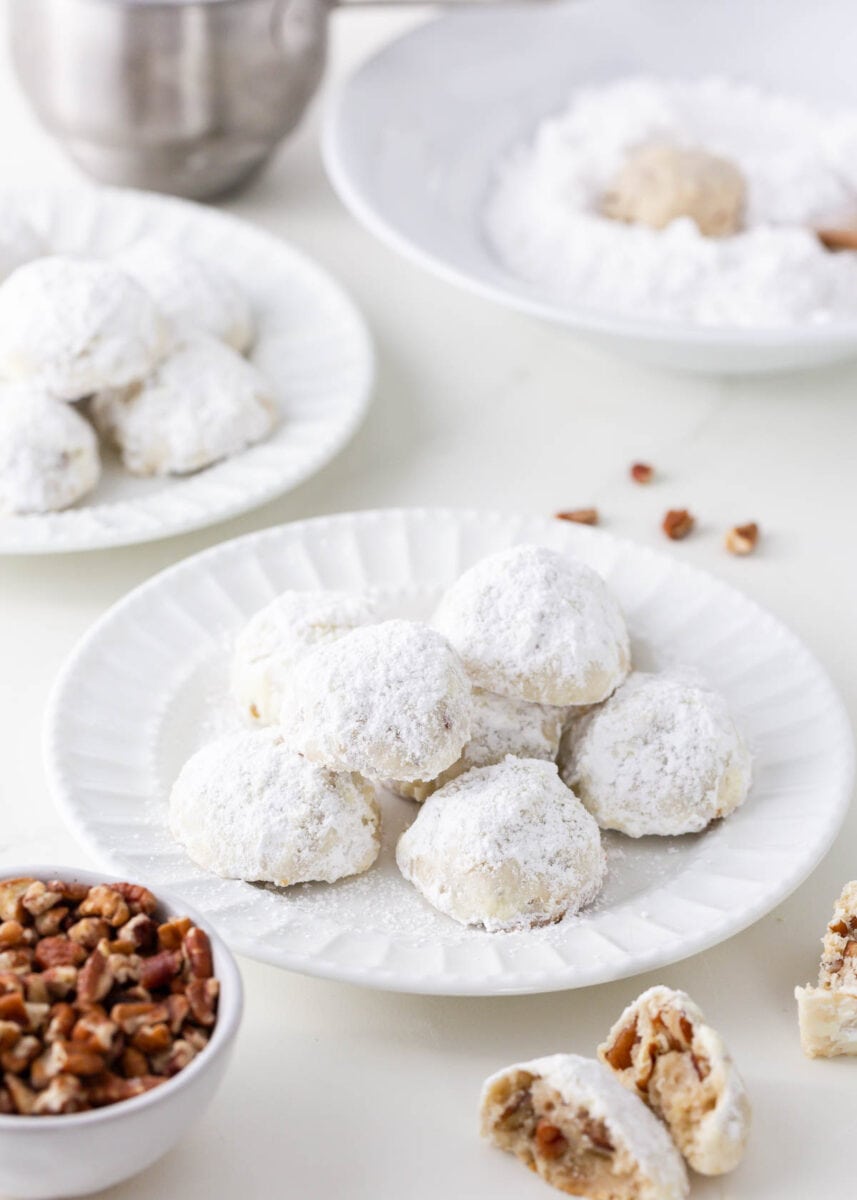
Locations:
678 523
642 472
742 539
581 516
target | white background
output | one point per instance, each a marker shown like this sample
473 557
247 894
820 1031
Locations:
336 1091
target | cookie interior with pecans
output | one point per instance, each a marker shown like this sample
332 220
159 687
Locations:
662 1049
828 1012
569 1120
99 1000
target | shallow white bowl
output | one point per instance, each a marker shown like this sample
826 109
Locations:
413 137
149 684
43 1158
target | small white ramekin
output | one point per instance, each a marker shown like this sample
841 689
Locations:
42 1158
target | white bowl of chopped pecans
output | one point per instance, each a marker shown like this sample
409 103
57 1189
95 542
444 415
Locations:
118 1012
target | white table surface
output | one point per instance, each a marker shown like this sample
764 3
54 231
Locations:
337 1091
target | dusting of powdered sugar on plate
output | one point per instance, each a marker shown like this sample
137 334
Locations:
542 215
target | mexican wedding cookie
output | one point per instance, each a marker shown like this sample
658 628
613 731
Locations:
390 701
661 756
828 1012
194 294
75 325
661 181
48 452
247 807
662 1049
499 726
568 1119
273 640
534 624
504 847
202 403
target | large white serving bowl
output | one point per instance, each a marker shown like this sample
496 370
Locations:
149 684
413 137
45 1158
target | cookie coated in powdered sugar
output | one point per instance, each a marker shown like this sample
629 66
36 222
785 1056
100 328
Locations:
274 639
662 1048
390 700
75 326
504 847
642 1160
48 452
660 756
537 625
202 403
246 807
500 726
194 294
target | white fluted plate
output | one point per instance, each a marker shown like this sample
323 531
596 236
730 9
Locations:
312 346
148 685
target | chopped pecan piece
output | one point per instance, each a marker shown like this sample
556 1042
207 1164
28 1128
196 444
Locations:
11 893
64 1094
10 1034
138 898
159 969
107 902
38 898
202 997
17 961
678 523
642 472
59 952
742 539
94 979
61 1023
171 933
23 1097
580 516
60 981
13 1008
19 1056
141 931
11 934
550 1140
89 931
50 922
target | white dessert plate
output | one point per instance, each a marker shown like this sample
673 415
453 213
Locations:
148 685
413 137
312 345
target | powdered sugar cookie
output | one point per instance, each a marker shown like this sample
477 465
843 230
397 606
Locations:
661 756
19 242
387 700
246 807
568 1119
662 1049
203 402
531 623
194 294
828 1012
661 182
499 726
75 325
48 452
504 847
273 640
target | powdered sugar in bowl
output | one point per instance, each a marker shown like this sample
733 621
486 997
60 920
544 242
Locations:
515 210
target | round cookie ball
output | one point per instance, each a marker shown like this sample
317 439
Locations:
274 639
390 701
194 294
661 182
661 756
499 726
202 403
246 807
536 625
76 325
504 847
48 452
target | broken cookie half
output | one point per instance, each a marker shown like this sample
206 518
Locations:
828 1013
662 1049
568 1119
